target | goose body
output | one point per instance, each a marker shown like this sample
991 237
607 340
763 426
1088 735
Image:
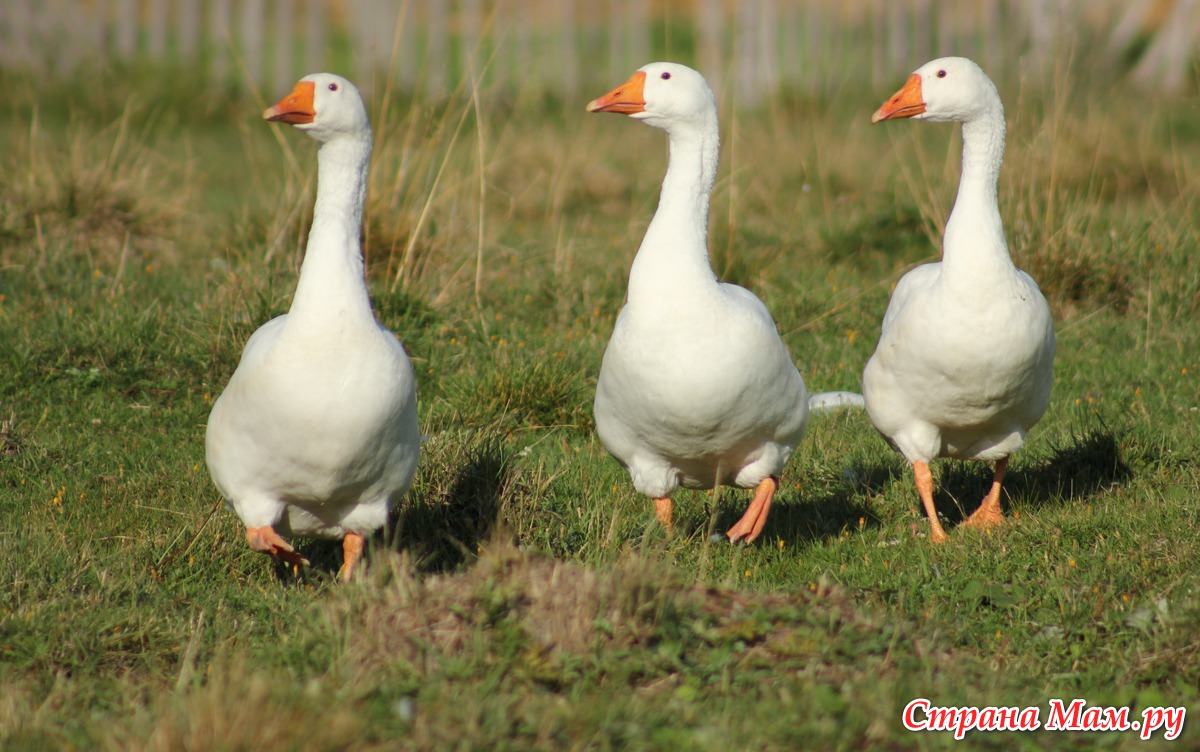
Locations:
696 387
964 364
316 433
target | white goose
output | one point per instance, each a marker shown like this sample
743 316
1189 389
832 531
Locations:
696 387
316 433
965 357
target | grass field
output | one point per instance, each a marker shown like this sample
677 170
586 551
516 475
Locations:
524 598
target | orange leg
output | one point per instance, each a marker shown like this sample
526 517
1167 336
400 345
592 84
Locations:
662 513
265 540
352 549
751 524
989 513
924 480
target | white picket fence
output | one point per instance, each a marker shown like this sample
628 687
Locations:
748 49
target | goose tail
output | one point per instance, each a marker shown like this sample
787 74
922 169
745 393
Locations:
824 402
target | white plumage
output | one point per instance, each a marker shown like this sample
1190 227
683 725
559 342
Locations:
316 433
965 357
696 387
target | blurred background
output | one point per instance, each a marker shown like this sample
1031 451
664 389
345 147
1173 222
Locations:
748 50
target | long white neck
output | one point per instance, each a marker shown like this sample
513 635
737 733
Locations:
674 254
974 245
332 287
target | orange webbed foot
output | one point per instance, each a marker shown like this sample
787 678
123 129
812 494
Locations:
750 526
989 512
265 540
983 517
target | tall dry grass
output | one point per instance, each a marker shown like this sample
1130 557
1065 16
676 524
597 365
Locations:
101 193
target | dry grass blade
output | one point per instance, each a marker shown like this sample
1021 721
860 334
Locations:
104 196
562 607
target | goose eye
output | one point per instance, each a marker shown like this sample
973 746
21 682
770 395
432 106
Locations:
666 76
941 74
333 87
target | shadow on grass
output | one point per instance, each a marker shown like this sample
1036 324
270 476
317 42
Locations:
453 507
444 529
444 524
1089 464
807 519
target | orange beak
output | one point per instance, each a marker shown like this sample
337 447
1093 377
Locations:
295 108
904 103
626 99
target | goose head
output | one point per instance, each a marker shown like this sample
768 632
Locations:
947 89
664 95
323 105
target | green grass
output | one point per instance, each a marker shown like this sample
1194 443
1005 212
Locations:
523 597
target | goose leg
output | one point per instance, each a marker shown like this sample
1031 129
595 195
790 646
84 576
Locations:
352 549
989 513
662 513
265 540
751 524
924 480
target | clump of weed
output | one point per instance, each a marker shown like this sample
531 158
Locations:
1072 264
420 217
546 614
550 608
1081 176
101 195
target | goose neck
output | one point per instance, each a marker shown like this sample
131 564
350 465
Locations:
675 249
332 283
983 154
974 239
